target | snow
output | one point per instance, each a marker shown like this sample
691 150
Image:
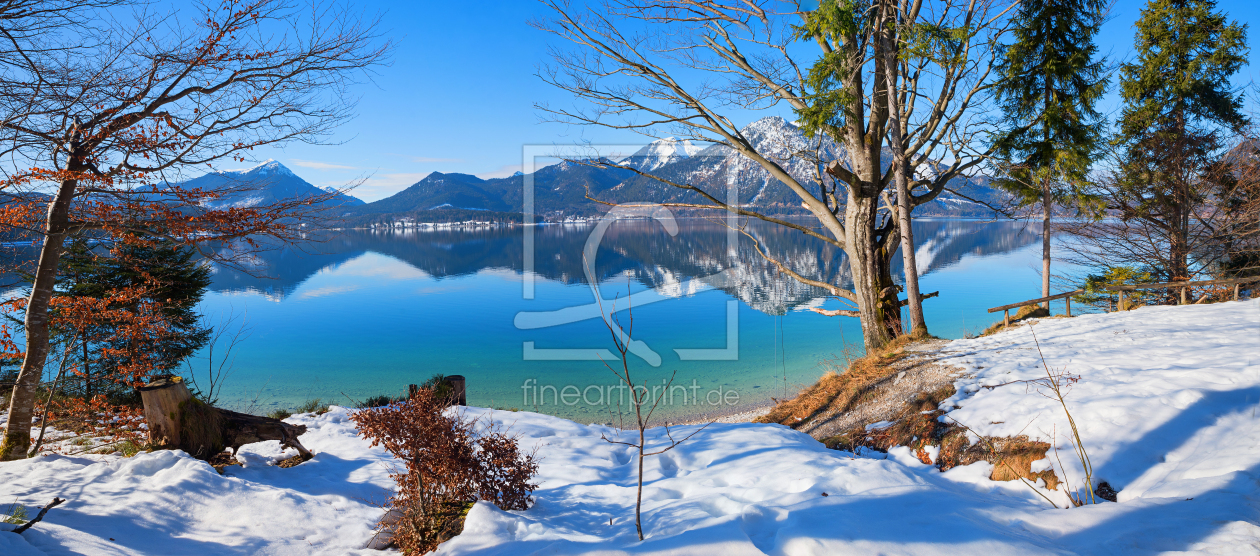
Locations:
265 168
1166 403
661 152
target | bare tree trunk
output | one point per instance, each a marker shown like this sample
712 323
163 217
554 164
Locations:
638 496
1181 233
1045 240
17 433
918 326
878 305
1045 204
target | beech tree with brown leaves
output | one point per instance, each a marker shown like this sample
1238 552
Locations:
98 132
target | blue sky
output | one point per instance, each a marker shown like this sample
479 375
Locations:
460 93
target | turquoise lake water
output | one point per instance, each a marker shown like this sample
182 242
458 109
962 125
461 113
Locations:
366 313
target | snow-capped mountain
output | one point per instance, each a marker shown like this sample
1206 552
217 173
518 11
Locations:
718 169
660 153
262 185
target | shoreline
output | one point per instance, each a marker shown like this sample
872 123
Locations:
739 414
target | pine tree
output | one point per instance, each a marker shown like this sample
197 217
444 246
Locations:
169 275
1049 85
1178 107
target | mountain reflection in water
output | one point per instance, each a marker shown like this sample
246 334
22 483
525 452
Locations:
639 249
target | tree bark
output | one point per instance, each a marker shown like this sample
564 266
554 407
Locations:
17 433
918 326
876 293
1046 206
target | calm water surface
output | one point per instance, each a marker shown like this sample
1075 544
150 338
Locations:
366 313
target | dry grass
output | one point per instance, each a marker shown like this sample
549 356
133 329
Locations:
843 390
291 462
918 423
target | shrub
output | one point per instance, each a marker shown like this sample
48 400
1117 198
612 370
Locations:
441 388
315 406
379 401
98 418
312 406
446 467
1098 297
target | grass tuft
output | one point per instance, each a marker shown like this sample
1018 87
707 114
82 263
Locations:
16 514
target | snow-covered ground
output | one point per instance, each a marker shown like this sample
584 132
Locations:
1167 406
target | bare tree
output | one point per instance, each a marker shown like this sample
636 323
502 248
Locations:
113 126
643 401
224 338
1235 229
675 66
900 166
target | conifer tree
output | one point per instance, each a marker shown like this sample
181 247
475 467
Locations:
1179 109
171 279
1050 84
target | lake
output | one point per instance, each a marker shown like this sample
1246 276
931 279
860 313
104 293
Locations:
363 313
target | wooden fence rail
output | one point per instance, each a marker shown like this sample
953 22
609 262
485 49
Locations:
1006 309
1185 285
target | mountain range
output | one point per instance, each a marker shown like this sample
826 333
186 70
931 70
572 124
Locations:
561 190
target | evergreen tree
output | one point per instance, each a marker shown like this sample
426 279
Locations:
1049 85
170 277
1178 102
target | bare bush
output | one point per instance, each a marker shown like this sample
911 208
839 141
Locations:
447 466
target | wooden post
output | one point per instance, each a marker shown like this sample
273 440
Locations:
162 400
1069 305
1120 303
1236 291
1183 295
1006 317
459 393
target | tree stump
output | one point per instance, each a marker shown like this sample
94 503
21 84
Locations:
164 400
179 421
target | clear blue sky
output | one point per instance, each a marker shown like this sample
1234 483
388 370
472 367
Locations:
459 94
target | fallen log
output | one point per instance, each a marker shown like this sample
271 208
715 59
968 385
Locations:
179 421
